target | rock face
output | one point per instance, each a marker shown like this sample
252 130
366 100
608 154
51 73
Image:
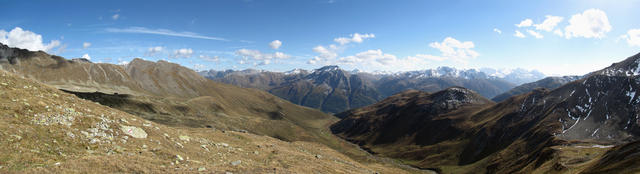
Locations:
133 131
531 132
329 89
334 90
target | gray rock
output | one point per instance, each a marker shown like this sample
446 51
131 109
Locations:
235 163
179 157
133 131
184 138
201 169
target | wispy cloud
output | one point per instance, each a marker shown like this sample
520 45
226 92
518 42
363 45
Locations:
165 32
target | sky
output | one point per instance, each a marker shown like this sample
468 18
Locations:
556 37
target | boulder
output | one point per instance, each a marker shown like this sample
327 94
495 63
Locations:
133 131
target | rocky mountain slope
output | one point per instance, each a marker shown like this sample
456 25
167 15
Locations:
334 90
173 95
567 129
548 83
411 117
168 93
330 88
44 130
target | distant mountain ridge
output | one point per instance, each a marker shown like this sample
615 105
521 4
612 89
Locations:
334 90
548 83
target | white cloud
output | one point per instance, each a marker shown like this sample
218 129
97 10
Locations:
326 54
519 34
592 23
455 50
86 56
632 37
356 37
497 31
115 16
369 56
163 32
26 39
265 62
450 49
123 62
153 51
209 58
428 57
549 23
257 56
86 45
558 32
376 59
199 66
525 23
182 53
275 44
535 34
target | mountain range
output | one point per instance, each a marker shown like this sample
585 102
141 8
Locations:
565 130
333 90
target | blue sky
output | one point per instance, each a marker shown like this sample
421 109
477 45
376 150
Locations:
364 34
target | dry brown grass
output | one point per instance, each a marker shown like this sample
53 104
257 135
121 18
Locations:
28 145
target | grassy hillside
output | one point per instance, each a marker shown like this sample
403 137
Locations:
45 130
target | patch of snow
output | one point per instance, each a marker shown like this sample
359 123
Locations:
293 71
585 118
631 95
574 124
627 126
580 108
602 146
594 132
574 91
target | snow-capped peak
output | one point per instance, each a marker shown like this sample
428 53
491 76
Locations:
294 71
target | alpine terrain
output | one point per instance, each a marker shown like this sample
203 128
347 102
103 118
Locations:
161 92
568 129
319 87
332 89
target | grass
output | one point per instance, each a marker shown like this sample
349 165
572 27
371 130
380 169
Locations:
49 149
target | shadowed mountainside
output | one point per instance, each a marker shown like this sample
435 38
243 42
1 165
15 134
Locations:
540 131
